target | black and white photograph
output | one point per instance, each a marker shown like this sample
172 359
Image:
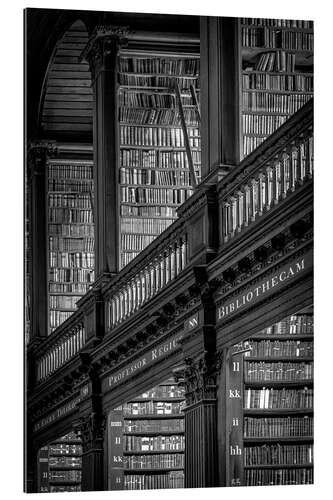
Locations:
168 250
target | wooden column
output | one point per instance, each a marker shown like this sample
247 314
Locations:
220 81
91 426
37 158
201 452
101 52
30 460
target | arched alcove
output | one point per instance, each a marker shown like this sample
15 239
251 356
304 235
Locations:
67 97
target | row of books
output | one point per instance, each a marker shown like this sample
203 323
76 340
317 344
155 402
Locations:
263 37
293 325
155 116
150 177
172 479
68 438
261 124
77 186
277 454
277 23
63 301
74 462
76 200
280 348
276 427
164 461
153 158
157 81
266 477
164 391
70 171
251 143
148 211
136 242
65 476
160 65
57 317
63 489
70 215
65 449
276 61
71 230
157 136
143 225
71 244
278 398
80 288
150 195
71 259
152 99
126 258
280 83
153 408
154 443
71 275
273 103
256 371
171 425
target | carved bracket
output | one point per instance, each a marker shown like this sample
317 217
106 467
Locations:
91 429
200 377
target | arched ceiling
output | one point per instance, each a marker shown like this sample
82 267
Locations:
67 98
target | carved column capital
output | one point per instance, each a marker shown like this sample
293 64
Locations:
105 40
38 153
200 377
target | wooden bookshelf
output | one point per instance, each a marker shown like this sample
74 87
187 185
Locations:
70 236
147 440
273 440
60 465
154 174
276 76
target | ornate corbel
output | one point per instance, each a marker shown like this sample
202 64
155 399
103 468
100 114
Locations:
200 377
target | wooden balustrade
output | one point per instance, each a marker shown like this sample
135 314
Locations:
277 168
64 348
135 291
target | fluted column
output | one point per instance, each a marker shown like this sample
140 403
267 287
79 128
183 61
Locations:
201 453
101 53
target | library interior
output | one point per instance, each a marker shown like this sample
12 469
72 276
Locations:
168 251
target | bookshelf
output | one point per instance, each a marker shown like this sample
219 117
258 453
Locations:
70 236
154 172
60 465
147 440
276 76
273 441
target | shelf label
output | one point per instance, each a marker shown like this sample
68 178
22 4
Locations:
58 413
116 458
270 284
153 355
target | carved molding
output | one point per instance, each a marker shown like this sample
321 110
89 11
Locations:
200 377
104 41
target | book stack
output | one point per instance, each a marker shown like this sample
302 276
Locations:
70 236
148 440
60 465
277 421
277 74
154 169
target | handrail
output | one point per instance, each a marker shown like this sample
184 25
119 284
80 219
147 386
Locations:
278 167
61 346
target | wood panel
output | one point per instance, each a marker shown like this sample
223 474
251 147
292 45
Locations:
68 96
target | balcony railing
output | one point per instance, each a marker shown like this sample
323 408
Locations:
277 168
61 346
159 264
